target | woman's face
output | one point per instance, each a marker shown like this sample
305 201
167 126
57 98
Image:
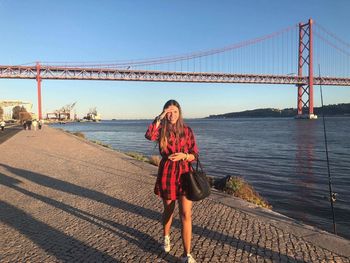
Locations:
172 114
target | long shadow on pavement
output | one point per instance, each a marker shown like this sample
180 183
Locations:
141 211
9 132
142 240
47 237
97 166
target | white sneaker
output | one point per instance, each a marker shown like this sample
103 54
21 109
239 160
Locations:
166 245
188 259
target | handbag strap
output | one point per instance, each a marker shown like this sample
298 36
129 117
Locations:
200 165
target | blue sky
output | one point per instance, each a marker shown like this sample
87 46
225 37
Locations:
38 30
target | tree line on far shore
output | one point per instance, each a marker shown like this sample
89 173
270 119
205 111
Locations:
342 109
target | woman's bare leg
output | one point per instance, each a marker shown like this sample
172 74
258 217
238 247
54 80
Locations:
169 206
185 207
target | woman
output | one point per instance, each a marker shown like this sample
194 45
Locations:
35 123
178 148
2 125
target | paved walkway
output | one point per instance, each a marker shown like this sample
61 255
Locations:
9 131
63 199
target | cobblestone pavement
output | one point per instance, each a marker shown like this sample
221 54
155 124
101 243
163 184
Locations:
63 199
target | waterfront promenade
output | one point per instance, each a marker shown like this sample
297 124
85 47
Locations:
10 130
64 199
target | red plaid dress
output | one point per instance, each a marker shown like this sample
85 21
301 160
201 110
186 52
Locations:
168 184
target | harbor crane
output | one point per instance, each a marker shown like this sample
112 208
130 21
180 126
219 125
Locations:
63 113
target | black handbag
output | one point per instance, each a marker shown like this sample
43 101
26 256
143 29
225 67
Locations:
196 184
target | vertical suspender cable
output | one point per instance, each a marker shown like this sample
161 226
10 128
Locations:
332 196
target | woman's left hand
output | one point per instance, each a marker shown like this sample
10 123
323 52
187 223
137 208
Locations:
177 156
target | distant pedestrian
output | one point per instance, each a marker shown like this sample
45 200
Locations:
178 149
40 124
29 124
2 125
35 124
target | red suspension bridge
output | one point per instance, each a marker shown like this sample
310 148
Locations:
284 57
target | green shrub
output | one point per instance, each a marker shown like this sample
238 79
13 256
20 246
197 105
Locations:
238 187
138 156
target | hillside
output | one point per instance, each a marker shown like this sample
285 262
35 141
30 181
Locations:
342 109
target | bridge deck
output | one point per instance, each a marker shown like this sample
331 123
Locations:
71 73
64 199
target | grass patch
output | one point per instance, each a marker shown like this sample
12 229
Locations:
101 143
154 159
79 134
82 135
138 156
238 187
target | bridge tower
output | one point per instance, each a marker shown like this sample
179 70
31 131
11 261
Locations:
305 58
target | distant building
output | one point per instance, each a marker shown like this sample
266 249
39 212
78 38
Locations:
7 107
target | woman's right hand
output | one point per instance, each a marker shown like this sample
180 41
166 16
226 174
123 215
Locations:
162 115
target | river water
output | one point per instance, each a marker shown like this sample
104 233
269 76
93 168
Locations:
283 158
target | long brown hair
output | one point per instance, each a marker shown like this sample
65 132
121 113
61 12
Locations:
167 127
